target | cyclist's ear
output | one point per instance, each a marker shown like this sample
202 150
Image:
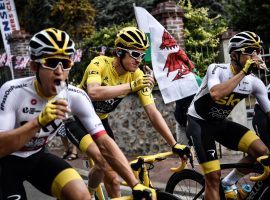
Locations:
34 66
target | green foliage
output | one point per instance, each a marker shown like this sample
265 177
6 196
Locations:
79 14
75 17
91 47
201 35
249 15
111 12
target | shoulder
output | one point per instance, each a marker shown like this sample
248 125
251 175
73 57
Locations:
75 91
14 85
214 68
101 60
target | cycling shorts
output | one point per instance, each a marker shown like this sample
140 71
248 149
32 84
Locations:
42 170
261 125
202 135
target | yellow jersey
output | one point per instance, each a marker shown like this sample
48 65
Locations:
102 71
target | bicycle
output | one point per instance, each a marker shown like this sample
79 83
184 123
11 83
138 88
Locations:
189 183
141 172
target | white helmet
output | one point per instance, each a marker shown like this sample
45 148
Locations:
50 42
243 40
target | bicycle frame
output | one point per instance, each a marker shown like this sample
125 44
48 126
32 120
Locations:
140 171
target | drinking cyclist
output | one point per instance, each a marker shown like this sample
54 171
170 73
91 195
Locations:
108 80
223 86
30 118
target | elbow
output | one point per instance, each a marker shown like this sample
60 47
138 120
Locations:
93 95
215 96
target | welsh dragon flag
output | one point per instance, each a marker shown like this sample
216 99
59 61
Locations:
171 66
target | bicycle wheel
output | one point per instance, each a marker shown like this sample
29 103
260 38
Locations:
187 184
166 196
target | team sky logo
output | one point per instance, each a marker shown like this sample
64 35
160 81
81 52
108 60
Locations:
176 61
229 100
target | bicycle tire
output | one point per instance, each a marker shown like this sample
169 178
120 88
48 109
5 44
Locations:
166 196
187 184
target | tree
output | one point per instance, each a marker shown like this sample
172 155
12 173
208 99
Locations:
252 15
110 12
201 35
75 17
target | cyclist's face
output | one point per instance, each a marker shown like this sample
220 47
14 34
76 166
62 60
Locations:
51 77
132 59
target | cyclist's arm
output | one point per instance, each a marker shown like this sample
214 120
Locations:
13 140
261 94
159 123
98 93
116 159
217 89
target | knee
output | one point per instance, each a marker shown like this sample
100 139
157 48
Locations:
259 150
212 179
111 178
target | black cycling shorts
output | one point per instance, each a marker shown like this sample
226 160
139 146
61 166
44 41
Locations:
261 125
203 134
39 169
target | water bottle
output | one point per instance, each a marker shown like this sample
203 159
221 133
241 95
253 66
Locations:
244 191
230 192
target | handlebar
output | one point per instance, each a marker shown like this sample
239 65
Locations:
265 162
136 164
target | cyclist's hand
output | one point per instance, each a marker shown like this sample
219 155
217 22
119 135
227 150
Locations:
182 150
54 109
141 82
140 192
249 65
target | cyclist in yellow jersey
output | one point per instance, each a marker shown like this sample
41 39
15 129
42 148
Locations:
31 116
108 80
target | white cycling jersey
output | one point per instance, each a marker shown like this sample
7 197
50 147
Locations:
19 103
204 107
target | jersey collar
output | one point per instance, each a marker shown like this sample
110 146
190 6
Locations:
232 69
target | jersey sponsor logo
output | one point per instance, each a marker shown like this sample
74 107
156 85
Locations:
212 152
35 143
219 113
30 110
146 91
7 93
33 101
216 67
14 197
106 106
93 72
229 100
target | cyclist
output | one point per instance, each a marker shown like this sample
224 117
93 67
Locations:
223 86
108 80
260 122
30 118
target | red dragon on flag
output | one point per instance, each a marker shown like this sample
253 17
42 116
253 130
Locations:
176 61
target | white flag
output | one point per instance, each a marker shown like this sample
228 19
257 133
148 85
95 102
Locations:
172 67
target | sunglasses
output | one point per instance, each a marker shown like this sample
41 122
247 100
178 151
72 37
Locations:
250 50
135 54
53 62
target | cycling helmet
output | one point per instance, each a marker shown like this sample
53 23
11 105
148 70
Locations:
243 40
50 42
132 38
